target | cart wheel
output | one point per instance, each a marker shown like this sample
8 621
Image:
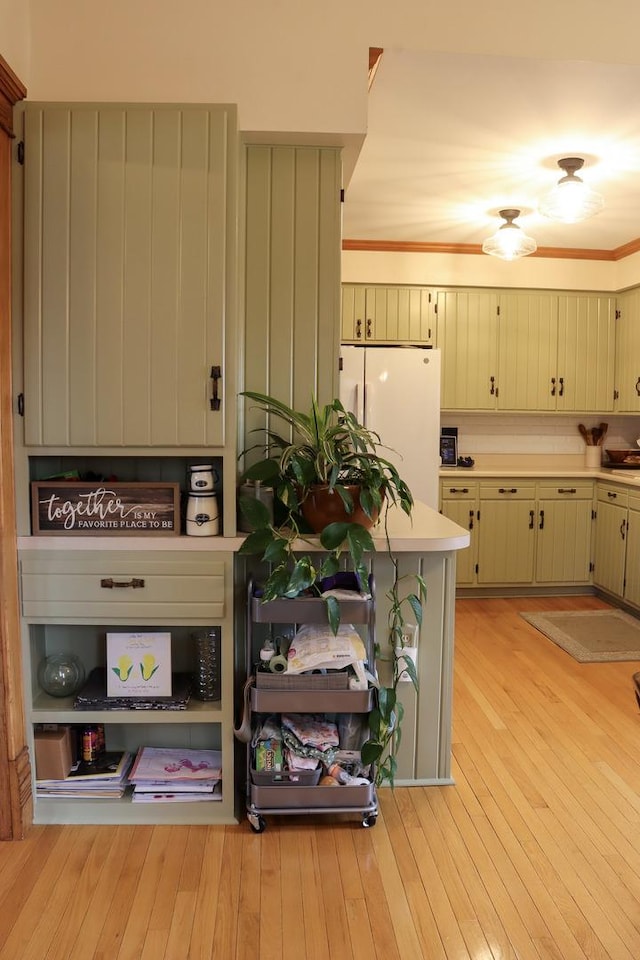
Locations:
369 821
257 823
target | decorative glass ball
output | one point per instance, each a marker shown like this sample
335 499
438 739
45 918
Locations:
61 674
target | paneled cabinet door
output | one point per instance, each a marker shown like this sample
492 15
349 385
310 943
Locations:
610 547
129 214
388 314
463 512
528 351
563 541
506 540
632 568
586 352
467 335
627 366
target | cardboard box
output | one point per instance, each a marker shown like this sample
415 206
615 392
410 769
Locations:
54 753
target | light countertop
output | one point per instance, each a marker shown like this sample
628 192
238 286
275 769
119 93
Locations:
427 531
631 477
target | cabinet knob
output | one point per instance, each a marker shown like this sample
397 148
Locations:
358 329
553 386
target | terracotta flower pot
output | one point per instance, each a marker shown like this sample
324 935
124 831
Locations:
322 506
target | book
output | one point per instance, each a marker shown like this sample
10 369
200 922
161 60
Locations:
178 797
171 764
111 766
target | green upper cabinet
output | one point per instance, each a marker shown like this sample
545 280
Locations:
586 352
388 314
130 213
556 352
627 375
528 336
468 339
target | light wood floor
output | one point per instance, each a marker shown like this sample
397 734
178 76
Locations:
534 853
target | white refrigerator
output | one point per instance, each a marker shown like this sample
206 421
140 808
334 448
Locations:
395 391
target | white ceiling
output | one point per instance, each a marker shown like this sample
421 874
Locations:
452 139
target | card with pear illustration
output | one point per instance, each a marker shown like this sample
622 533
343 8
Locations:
139 664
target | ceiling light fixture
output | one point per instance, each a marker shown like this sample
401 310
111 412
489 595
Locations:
571 200
509 242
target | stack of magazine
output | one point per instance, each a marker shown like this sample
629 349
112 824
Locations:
171 775
104 778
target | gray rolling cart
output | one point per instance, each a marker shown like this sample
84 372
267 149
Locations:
275 793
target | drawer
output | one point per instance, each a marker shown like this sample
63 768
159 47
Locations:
508 490
611 493
458 490
566 490
137 587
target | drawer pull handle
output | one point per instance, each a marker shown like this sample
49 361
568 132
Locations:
531 516
458 489
109 583
623 528
612 496
510 490
638 386
541 524
216 375
567 490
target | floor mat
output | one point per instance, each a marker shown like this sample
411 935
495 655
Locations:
591 636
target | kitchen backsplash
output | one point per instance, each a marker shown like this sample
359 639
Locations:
502 434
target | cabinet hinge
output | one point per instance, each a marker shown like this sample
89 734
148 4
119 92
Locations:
498 310
435 308
342 196
478 515
20 404
616 395
340 364
477 568
618 314
592 566
429 295
20 152
594 514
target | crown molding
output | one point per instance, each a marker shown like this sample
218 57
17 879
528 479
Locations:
559 253
11 90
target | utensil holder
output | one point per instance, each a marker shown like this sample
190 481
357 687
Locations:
593 456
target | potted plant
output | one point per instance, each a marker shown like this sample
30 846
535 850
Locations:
325 460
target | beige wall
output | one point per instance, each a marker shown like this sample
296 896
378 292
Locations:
14 36
291 66
481 271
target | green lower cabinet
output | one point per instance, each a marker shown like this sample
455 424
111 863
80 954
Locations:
523 532
563 540
463 511
611 545
632 566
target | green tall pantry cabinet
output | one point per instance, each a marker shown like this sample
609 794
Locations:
128 273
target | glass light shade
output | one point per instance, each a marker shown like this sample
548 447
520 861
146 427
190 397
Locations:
509 242
61 674
571 201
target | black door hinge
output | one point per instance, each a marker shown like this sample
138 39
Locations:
618 314
591 567
20 152
477 568
340 364
20 404
342 196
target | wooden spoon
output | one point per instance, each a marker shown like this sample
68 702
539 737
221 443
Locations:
584 433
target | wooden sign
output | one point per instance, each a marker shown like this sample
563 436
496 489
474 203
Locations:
104 509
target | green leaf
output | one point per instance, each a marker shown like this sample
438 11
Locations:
333 613
276 552
416 606
302 577
359 539
256 542
410 668
334 534
255 511
330 566
276 584
371 752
